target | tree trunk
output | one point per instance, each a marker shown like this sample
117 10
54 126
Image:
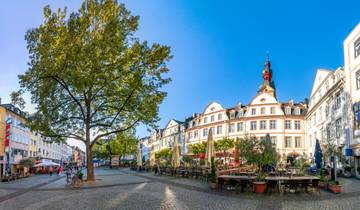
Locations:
90 167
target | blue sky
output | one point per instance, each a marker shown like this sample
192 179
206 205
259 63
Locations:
219 47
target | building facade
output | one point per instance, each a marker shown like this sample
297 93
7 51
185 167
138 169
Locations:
17 138
352 75
165 138
329 116
17 142
284 122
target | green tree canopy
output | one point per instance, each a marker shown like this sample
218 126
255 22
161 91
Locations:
259 152
122 144
224 145
90 77
198 148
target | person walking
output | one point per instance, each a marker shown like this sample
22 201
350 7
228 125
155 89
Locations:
59 170
51 170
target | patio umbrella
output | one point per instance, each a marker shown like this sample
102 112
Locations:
318 154
210 149
46 164
176 155
139 158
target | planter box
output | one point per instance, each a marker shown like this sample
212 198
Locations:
323 185
335 188
260 187
213 185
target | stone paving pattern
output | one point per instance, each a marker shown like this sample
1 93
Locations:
124 189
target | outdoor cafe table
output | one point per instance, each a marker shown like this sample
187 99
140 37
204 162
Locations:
236 178
280 179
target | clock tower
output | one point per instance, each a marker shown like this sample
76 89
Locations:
268 84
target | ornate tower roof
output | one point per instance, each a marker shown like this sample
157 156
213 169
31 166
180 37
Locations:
268 84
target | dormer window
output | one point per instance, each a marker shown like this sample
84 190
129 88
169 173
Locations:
241 113
288 111
297 111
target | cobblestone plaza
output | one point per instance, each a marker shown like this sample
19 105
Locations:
124 189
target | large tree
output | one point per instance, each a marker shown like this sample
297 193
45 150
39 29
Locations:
90 77
223 145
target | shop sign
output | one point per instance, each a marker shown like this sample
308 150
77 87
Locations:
348 152
7 135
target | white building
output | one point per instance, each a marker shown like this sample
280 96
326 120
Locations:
328 119
352 74
284 122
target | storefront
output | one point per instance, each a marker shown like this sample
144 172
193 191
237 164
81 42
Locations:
356 154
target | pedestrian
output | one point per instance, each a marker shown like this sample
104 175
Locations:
51 170
59 171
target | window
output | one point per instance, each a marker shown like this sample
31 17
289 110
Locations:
337 102
320 113
338 128
297 142
272 124
357 114
212 118
262 125
219 116
205 119
273 140
328 133
189 135
288 111
212 130
287 141
253 111
240 126
357 80
297 111
263 111
287 124
241 113
357 47
272 110
327 110
253 125
297 125
219 129
231 128
205 132
196 134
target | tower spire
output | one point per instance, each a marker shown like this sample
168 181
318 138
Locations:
268 84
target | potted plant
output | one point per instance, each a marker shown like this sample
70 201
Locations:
213 181
260 184
261 153
322 182
334 187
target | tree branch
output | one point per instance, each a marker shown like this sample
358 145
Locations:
114 132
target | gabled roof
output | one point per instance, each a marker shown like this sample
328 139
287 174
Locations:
321 75
177 122
210 104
